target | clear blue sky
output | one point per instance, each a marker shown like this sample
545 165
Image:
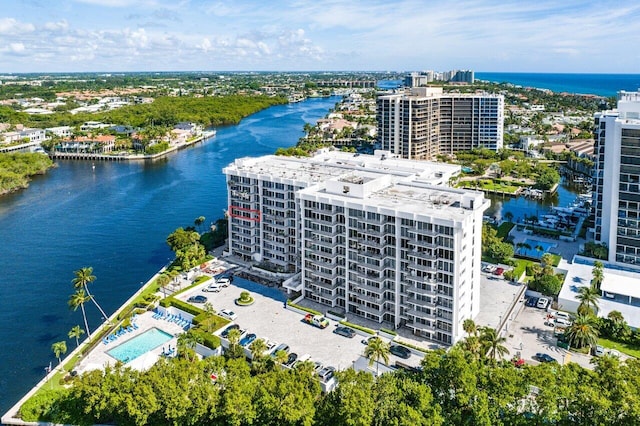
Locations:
293 35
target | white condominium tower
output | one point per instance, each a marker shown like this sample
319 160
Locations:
423 122
377 237
616 196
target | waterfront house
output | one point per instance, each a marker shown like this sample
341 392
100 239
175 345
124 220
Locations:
101 144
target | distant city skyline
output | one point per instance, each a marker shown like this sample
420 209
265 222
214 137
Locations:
293 35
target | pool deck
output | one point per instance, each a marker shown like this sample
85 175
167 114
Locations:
98 358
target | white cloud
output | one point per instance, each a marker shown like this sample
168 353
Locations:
10 26
59 26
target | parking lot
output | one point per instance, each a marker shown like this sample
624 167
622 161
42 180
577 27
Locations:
531 332
268 318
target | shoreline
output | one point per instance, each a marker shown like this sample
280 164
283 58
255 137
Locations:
135 157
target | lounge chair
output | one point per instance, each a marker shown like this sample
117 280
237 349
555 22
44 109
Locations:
135 326
105 341
129 329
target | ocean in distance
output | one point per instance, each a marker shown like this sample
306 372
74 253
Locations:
593 84
115 218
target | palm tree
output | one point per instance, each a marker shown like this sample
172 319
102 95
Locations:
76 332
508 216
377 349
470 327
281 357
582 331
493 343
199 221
257 348
588 297
59 349
82 280
187 344
234 351
546 259
598 274
208 309
163 281
79 298
616 317
473 345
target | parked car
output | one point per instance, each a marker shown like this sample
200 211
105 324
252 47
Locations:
291 359
213 287
561 322
281 347
317 320
562 315
532 302
326 373
226 331
614 353
228 314
197 299
498 271
345 331
248 339
544 357
599 351
543 302
223 282
400 351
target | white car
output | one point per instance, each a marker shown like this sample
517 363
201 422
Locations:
223 282
214 287
599 351
543 302
226 313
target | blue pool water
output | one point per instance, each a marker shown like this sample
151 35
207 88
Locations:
139 345
532 252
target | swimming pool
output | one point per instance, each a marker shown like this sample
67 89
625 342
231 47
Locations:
139 345
529 248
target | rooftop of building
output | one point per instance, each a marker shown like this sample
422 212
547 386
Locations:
328 164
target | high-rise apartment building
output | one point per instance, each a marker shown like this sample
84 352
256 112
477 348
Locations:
373 236
616 195
424 122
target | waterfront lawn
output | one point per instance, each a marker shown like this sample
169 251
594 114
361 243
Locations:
624 348
495 185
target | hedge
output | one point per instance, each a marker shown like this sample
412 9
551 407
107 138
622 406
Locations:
218 321
417 348
184 306
357 327
386 330
311 311
206 339
201 279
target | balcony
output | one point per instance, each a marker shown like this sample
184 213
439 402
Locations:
354 287
312 281
420 326
419 314
422 291
354 296
363 308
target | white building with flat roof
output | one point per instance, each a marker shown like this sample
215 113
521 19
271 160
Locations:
377 237
616 187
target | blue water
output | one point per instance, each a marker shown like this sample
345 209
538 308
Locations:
593 84
140 345
596 84
521 206
532 252
115 218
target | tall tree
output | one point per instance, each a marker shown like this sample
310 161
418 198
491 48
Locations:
598 274
59 349
78 299
493 343
376 350
588 297
198 222
582 332
84 277
76 332
163 281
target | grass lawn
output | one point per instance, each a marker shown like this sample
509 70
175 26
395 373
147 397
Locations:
556 259
504 229
624 348
521 266
490 185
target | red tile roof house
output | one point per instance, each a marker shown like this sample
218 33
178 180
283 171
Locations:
94 144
